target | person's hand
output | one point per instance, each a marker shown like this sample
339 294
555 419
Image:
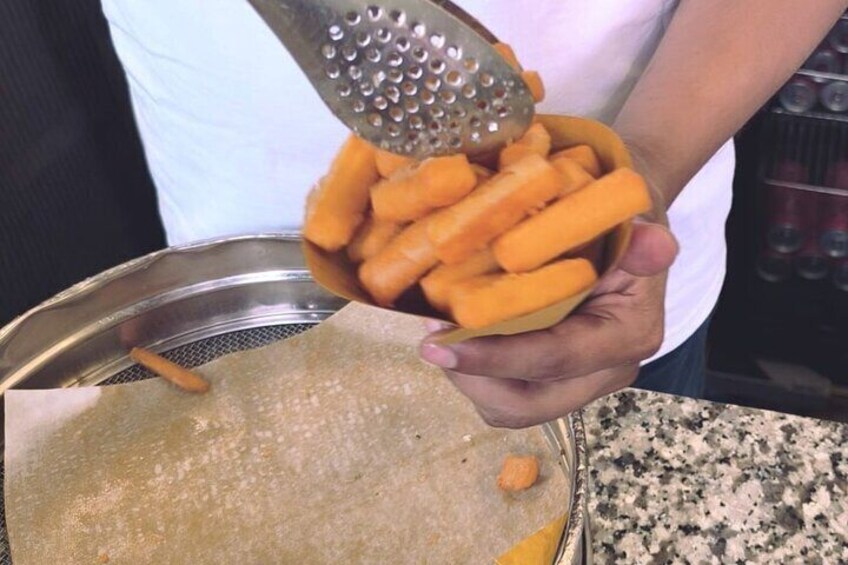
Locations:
526 379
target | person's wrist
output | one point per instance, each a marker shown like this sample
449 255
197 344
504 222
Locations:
650 166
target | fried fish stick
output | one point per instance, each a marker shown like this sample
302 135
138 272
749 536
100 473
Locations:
437 284
399 265
372 236
187 380
507 53
489 299
494 207
413 192
584 155
389 163
531 78
519 472
536 140
482 172
573 221
337 205
534 82
574 175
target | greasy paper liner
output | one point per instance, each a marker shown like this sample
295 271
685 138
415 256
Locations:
337 274
333 446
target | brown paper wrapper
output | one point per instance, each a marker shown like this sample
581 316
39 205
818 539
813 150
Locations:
337 274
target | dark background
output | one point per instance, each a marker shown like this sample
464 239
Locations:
75 194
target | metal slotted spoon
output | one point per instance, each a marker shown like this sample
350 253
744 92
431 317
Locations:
406 75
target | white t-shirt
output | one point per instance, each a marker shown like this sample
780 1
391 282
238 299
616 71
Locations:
235 136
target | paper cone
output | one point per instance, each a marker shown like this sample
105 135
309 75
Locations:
337 274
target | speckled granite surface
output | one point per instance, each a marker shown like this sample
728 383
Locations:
682 481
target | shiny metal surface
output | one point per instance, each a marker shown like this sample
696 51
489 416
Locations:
410 76
568 437
467 19
195 303
163 300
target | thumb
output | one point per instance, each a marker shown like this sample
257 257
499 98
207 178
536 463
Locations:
652 250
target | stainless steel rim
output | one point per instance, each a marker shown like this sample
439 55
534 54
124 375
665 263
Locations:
572 549
119 304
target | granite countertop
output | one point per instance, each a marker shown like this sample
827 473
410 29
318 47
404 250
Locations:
675 480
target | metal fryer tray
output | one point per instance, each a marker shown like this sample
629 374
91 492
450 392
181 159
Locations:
194 304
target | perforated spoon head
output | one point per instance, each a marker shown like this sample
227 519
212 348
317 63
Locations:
405 75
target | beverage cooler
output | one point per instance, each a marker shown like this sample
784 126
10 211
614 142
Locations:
780 334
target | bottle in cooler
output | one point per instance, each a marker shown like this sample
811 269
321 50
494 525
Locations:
799 95
833 212
834 225
788 208
834 96
840 275
838 303
811 263
774 267
824 60
838 37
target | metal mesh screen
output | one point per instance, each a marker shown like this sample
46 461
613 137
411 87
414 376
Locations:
201 352
190 355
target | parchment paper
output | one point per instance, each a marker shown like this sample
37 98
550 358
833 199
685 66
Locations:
338 445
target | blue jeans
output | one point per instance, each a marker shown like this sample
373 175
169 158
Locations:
681 371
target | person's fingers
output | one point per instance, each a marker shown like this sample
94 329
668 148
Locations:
433 325
591 339
519 404
652 250
621 323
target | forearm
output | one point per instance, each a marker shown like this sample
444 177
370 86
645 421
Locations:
719 61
